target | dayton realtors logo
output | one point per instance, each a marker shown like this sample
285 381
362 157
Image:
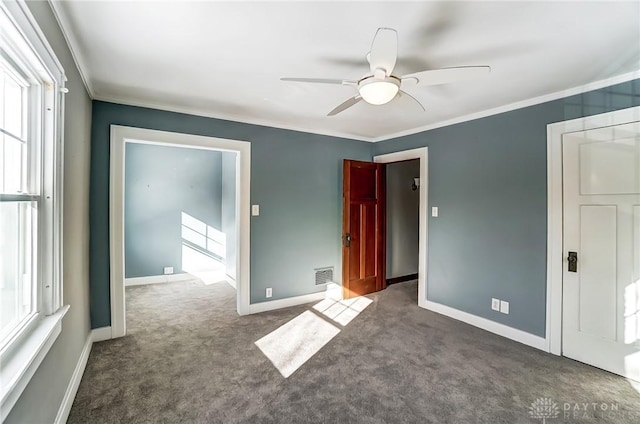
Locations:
544 409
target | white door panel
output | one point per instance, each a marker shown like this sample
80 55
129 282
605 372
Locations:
601 301
597 267
609 167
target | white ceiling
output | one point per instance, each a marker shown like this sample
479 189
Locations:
224 59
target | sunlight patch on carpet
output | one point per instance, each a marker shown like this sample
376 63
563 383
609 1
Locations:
342 311
291 345
295 342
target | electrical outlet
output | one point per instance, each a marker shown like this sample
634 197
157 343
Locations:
168 270
504 307
495 304
269 292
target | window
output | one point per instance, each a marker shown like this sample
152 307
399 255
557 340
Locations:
18 205
31 104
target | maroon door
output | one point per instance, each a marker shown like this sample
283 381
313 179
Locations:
363 228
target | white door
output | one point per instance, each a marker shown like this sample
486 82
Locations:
601 299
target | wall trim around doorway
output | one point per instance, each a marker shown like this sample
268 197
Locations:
119 136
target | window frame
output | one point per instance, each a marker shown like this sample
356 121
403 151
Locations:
29 51
31 187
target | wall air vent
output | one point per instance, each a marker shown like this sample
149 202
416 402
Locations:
324 275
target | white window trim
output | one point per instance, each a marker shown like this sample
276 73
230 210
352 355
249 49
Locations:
26 357
21 358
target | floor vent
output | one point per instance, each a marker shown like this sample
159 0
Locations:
324 275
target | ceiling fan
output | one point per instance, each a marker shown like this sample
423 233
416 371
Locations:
380 86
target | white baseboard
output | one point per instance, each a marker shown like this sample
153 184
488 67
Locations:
101 334
74 383
488 325
156 279
256 308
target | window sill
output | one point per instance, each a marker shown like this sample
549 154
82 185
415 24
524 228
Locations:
17 369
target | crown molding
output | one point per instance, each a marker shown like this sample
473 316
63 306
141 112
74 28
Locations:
226 117
630 76
72 43
470 117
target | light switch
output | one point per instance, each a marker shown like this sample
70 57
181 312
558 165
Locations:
255 210
434 211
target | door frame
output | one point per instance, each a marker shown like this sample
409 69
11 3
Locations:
120 135
421 153
555 242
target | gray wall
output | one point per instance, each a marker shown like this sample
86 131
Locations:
402 218
488 178
161 183
228 218
296 178
41 399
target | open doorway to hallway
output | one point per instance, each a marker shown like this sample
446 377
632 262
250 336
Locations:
402 212
421 157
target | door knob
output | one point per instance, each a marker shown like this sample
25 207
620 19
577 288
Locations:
347 240
573 262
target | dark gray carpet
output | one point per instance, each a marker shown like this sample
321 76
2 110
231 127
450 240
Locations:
190 358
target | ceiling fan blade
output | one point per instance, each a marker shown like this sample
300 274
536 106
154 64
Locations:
409 96
446 75
384 50
321 81
345 105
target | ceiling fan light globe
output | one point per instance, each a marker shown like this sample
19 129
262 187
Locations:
379 92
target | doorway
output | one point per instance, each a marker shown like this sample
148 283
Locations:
422 252
202 241
402 217
593 304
